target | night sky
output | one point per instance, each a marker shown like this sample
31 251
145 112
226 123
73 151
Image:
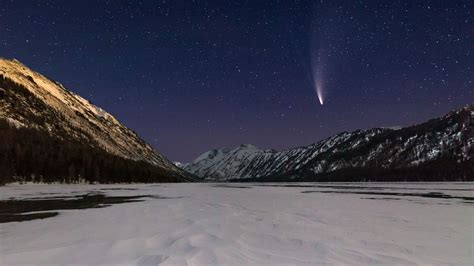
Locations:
189 76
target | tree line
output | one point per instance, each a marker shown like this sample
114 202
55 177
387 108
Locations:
29 154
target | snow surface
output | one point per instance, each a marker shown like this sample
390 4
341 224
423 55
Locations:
247 224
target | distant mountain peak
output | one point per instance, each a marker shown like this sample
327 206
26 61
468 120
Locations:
248 146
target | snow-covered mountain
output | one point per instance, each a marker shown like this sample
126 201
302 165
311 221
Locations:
178 164
31 100
438 149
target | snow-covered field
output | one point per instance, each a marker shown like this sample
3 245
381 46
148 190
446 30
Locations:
250 224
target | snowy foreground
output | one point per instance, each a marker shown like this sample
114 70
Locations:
241 224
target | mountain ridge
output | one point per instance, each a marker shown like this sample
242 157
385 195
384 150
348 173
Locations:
33 101
339 153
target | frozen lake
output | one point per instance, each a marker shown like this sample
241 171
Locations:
238 224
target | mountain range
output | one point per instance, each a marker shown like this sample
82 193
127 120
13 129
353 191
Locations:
50 134
440 149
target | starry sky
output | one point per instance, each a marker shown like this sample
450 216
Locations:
189 76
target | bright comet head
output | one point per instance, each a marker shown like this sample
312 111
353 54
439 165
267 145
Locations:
320 100
319 88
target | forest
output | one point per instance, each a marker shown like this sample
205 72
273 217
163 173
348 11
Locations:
28 154
441 170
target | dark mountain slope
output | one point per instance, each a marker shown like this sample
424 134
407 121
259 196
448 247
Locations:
51 134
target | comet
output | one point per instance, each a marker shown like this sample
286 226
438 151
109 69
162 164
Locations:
317 76
318 85
319 92
321 48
